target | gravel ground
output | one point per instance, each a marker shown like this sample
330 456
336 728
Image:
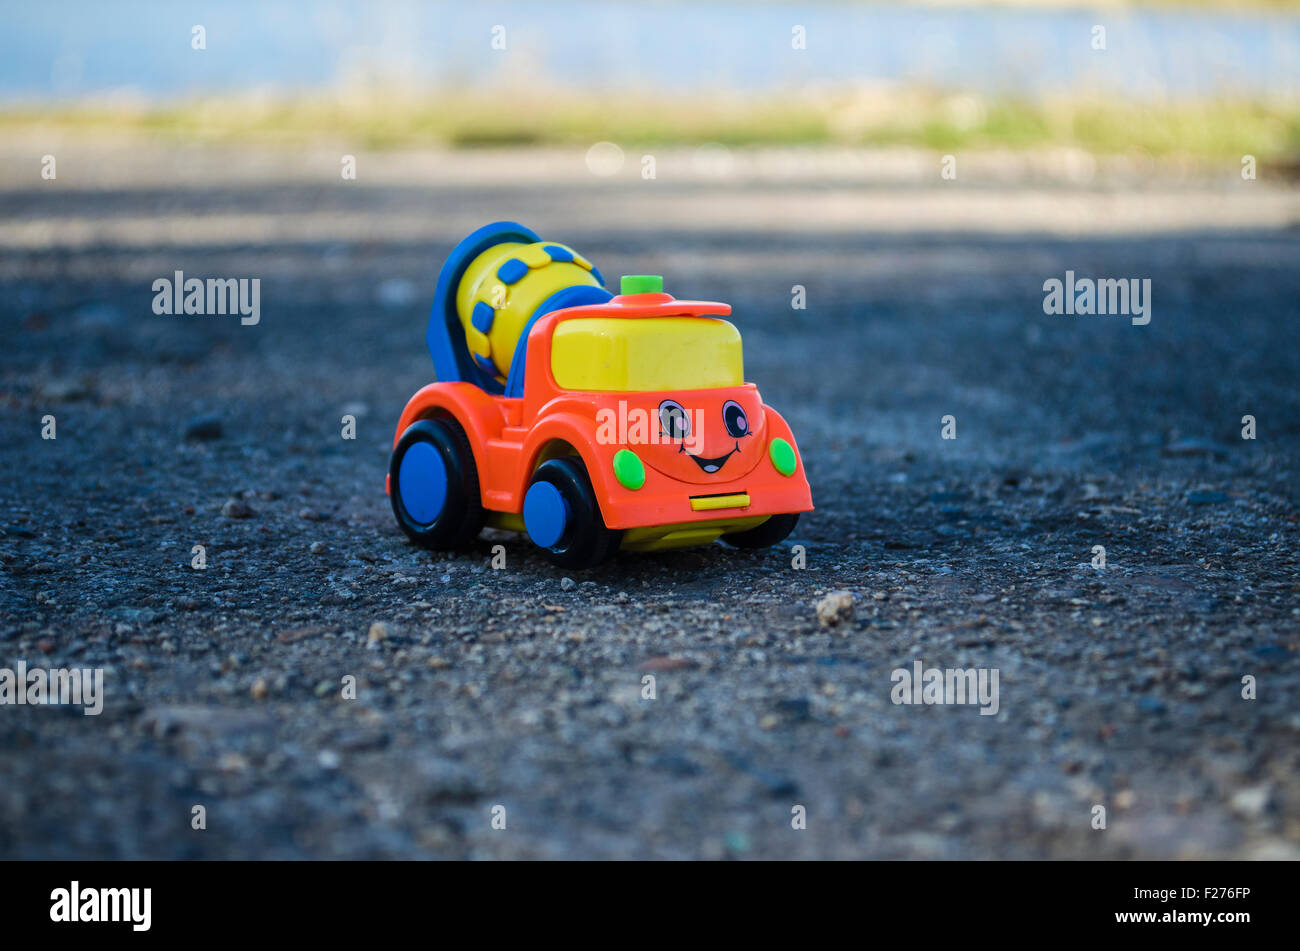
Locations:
522 688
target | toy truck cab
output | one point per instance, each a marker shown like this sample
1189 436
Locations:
622 422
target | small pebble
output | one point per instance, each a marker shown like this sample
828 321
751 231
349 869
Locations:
1251 802
259 690
232 762
835 608
328 759
567 584
236 508
203 427
667 663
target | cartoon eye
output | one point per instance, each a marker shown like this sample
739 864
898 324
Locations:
734 417
673 418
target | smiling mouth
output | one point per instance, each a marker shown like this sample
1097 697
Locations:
713 465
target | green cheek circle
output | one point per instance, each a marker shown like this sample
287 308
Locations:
628 469
783 457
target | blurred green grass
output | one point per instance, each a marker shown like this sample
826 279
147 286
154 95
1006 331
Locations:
881 117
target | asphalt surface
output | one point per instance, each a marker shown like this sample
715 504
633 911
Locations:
518 688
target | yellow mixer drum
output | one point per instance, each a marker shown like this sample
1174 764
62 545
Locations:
504 286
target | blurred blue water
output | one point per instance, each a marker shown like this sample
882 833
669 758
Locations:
58 49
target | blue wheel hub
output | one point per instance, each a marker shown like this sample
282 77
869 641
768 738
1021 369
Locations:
546 514
422 483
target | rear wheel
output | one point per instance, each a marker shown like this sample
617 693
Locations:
562 516
775 529
433 485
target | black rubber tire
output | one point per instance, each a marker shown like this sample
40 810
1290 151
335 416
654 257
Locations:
586 541
461 518
775 529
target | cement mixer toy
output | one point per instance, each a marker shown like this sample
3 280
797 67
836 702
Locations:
588 421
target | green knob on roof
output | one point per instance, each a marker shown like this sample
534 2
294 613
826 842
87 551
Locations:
641 284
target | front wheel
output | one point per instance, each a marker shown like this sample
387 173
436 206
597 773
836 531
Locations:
562 516
775 529
433 485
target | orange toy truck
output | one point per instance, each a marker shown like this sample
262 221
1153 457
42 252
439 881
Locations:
588 421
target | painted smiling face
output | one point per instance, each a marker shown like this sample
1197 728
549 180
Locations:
708 438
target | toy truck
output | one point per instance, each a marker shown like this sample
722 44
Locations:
590 422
